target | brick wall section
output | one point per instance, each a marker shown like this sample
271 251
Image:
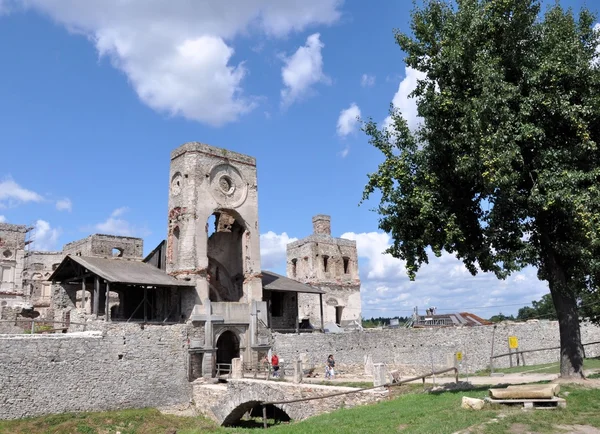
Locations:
120 367
413 350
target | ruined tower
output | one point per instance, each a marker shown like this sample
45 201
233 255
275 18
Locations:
213 241
330 264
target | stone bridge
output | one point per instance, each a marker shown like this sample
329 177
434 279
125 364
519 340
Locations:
227 403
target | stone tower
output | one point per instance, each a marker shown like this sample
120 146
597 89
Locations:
213 236
213 241
330 264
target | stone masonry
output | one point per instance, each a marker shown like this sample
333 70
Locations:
120 366
415 350
12 259
330 264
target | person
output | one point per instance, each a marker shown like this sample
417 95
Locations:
330 367
275 365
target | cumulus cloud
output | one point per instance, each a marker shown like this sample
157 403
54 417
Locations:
444 283
176 57
12 194
2 219
64 204
273 250
367 80
302 70
115 224
45 237
348 120
403 103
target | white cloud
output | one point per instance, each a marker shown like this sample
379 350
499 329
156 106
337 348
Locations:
344 152
444 283
44 236
176 56
302 70
12 194
64 204
401 101
2 219
348 120
273 250
116 225
367 80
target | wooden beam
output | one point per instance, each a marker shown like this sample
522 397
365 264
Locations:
96 295
321 306
107 309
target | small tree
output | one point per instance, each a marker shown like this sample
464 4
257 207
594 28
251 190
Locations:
504 169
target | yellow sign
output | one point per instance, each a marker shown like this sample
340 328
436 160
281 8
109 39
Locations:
459 356
513 342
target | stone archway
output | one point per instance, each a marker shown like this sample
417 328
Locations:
228 347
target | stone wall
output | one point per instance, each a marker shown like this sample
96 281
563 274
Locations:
415 350
106 246
12 257
120 366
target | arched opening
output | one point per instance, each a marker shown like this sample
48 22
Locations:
250 415
228 347
225 232
117 252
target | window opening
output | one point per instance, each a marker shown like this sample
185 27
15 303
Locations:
325 263
338 314
277 304
294 265
117 252
346 265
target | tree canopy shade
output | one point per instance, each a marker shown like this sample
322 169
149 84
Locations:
504 168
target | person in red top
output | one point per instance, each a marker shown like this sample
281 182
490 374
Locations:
275 365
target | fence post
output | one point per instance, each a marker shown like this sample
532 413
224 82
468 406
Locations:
32 326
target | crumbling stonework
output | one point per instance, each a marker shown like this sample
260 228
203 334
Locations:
119 366
106 246
415 350
39 267
226 404
12 259
330 264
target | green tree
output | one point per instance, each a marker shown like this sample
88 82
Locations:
503 170
501 317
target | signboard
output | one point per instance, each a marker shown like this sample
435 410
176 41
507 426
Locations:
459 356
513 342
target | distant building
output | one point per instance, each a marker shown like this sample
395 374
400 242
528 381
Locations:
433 319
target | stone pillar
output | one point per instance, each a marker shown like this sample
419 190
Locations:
322 224
368 365
298 371
379 375
236 368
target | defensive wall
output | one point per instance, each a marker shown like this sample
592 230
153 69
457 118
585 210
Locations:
415 350
120 366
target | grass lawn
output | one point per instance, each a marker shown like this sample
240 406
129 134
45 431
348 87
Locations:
547 368
408 413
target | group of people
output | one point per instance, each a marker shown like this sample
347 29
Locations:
329 366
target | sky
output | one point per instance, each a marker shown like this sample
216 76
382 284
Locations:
95 94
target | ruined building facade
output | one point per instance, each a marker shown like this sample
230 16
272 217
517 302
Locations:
330 264
12 262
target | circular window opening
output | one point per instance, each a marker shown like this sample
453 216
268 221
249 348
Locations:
7 253
226 184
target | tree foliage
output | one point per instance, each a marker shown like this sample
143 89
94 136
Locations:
504 168
542 309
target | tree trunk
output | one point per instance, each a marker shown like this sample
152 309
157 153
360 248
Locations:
571 350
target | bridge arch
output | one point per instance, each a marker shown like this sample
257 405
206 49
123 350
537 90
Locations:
255 409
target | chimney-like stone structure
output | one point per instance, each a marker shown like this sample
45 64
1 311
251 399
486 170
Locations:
322 224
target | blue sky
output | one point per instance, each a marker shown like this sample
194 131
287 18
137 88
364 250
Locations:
95 94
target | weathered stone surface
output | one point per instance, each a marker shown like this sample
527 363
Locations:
472 403
379 374
330 264
541 391
297 371
236 368
121 366
411 350
226 405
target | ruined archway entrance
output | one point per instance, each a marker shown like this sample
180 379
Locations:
225 231
228 347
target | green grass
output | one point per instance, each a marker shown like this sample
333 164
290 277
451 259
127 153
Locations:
547 368
408 413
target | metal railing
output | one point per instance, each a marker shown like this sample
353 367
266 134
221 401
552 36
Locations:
224 368
521 352
43 325
331 395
